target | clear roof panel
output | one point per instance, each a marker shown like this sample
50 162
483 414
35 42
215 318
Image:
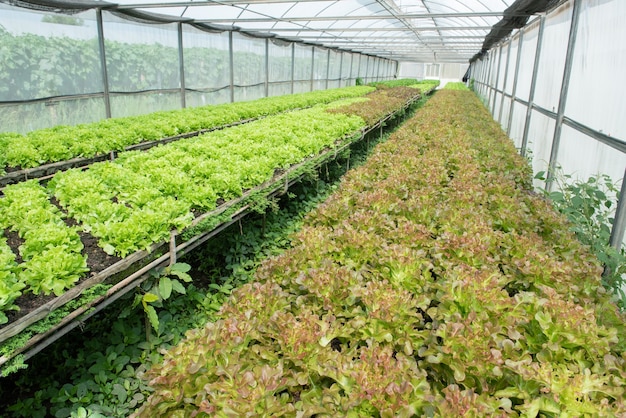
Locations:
404 30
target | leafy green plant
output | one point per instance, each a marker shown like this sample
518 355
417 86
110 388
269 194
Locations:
589 206
52 251
432 283
456 85
159 289
87 140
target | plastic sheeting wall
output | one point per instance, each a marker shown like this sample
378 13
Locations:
57 70
578 128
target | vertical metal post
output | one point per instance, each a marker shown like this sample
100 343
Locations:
327 69
520 42
293 65
506 77
267 67
619 224
567 72
533 85
312 66
181 65
351 64
495 87
340 67
231 61
367 68
103 64
488 78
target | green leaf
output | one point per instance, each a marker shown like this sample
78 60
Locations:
119 391
152 317
180 267
178 287
150 297
165 287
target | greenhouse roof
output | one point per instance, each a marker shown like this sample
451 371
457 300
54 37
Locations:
405 30
402 30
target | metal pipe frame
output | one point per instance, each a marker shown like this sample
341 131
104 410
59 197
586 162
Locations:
103 64
567 72
493 107
181 66
533 85
506 77
520 42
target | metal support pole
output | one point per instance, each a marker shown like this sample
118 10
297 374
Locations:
367 68
533 85
520 41
567 72
231 61
312 66
293 65
506 78
327 69
619 224
181 65
351 63
103 65
267 67
495 87
340 67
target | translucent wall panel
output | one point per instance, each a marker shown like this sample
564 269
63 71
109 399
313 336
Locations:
598 68
320 68
552 59
46 55
491 76
26 117
502 68
141 58
510 75
249 67
334 69
302 70
207 67
497 100
43 55
124 104
279 67
517 124
527 61
582 156
540 134
356 65
346 61
503 113
364 68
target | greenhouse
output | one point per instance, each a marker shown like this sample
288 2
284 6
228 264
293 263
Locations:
314 208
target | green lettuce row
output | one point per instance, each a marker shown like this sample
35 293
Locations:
433 283
456 86
10 286
134 201
51 252
87 140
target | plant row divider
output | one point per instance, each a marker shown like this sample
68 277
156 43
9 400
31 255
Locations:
276 186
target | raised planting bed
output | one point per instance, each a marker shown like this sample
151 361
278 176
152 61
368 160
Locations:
434 282
43 152
167 198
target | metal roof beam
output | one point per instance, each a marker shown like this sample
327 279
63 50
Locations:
210 3
351 29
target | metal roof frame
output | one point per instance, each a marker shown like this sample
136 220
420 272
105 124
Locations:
417 30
